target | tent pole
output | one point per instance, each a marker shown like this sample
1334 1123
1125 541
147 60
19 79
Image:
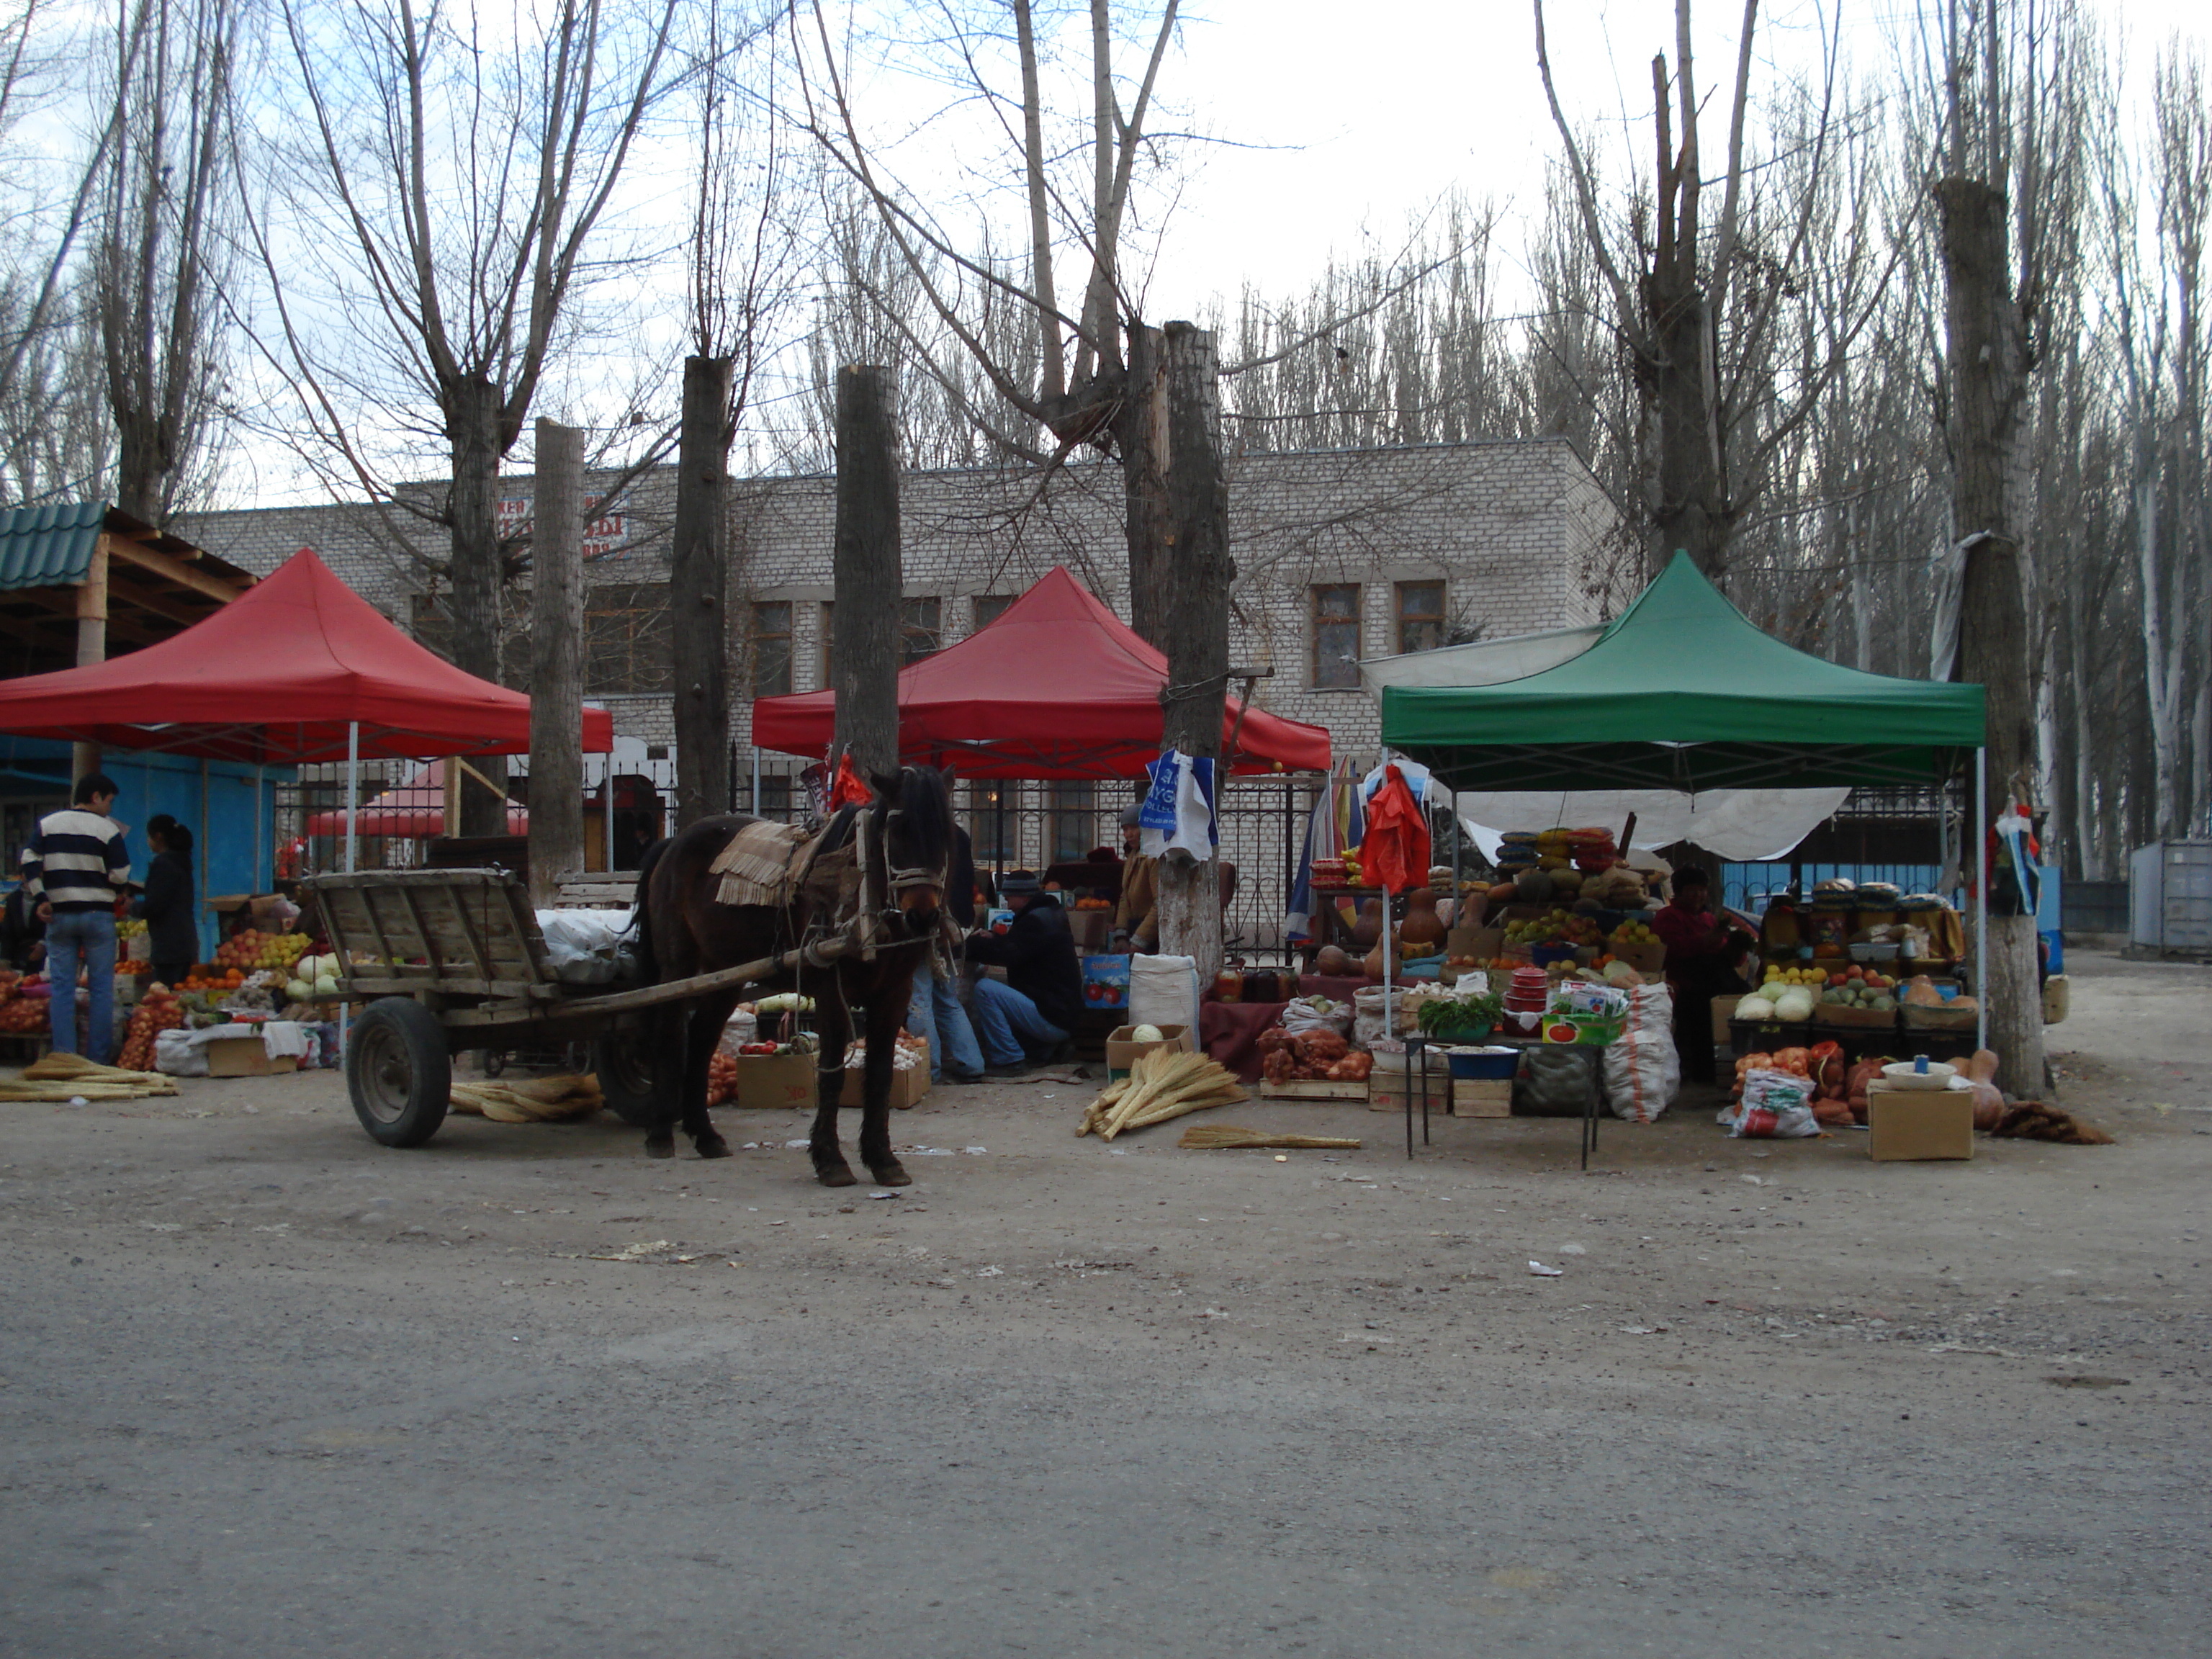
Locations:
353 789
1977 863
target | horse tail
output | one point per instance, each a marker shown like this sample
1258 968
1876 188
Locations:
641 915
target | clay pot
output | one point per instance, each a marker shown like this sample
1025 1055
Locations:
1422 927
1368 927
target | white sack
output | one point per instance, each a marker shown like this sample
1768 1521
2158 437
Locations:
1643 1073
1163 991
585 947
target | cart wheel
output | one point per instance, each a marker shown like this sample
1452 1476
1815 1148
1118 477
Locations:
399 1071
625 1074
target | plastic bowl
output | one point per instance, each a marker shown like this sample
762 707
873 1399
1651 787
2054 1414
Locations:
1904 1075
1885 953
1493 1063
1866 952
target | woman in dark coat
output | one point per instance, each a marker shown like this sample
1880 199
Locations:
172 933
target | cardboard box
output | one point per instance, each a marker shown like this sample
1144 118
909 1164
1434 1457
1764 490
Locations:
244 1056
1905 1124
1093 930
1123 1051
1724 1011
770 1080
1482 1097
1649 958
906 1087
1481 943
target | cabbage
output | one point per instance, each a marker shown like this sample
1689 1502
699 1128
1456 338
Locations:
1754 1008
1145 1034
1794 1003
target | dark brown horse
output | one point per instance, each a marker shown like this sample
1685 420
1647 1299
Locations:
903 842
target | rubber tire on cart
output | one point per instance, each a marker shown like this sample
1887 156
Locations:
625 1074
399 1071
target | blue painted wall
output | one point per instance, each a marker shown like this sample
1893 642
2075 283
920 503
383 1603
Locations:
230 812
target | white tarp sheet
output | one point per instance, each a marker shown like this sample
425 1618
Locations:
1734 824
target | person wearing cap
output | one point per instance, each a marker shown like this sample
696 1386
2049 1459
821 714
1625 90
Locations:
1136 913
1031 1012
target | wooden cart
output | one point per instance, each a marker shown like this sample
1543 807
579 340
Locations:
458 962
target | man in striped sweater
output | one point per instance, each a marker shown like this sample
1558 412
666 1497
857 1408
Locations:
77 867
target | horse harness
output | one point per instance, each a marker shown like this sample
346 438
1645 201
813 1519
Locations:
853 884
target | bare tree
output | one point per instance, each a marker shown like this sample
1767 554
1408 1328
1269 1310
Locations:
160 243
452 176
740 256
1696 307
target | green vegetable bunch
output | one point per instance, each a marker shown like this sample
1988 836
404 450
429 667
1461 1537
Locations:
1461 1011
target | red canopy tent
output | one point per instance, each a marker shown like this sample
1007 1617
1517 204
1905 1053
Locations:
1057 687
414 809
299 668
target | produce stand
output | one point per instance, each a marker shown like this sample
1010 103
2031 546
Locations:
1681 692
454 960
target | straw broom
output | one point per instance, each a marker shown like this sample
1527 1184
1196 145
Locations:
1164 1084
542 1100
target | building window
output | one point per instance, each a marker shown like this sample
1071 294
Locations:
1420 616
920 631
770 648
989 607
626 641
1336 636
1074 819
828 634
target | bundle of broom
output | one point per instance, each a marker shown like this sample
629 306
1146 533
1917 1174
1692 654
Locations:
59 1076
1165 1083
1211 1137
540 1100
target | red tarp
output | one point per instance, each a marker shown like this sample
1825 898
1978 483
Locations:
1058 687
414 810
1393 854
274 677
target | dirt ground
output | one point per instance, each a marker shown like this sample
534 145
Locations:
270 1389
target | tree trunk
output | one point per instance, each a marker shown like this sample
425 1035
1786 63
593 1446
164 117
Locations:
472 417
1689 516
1140 434
864 644
556 663
698 593
1987 375
1197 570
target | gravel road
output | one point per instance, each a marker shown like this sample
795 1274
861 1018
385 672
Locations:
272 1390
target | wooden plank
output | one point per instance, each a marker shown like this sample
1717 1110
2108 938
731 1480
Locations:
1312 1089
401 985
171 568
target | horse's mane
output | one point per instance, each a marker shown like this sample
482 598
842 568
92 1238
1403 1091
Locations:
927 805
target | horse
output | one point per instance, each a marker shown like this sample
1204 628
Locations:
903 842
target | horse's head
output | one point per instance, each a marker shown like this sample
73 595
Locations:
918 842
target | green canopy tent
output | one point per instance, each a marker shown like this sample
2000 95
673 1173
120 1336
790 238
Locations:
1681 692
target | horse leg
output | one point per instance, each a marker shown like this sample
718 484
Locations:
885 1014
836 1029
709 1015
664 1035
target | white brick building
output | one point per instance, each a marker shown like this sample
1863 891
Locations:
1338 555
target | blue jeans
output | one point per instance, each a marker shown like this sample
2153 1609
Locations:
86 940
935 1013
1009 1023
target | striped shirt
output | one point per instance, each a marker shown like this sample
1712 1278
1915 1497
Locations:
78 860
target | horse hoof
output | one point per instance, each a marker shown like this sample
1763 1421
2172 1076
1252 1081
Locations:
660 1145
836 1176
712 1147
892 1174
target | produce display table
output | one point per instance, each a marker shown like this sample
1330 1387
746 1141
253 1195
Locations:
1229 1032
1417 1055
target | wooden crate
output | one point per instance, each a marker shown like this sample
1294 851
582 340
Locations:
1482 1097
1313 1088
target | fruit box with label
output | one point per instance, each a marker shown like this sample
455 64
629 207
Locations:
1106 982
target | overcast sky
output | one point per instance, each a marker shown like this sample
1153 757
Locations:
1381 109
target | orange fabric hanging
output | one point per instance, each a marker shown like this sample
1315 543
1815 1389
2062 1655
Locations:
847 788
1394 852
